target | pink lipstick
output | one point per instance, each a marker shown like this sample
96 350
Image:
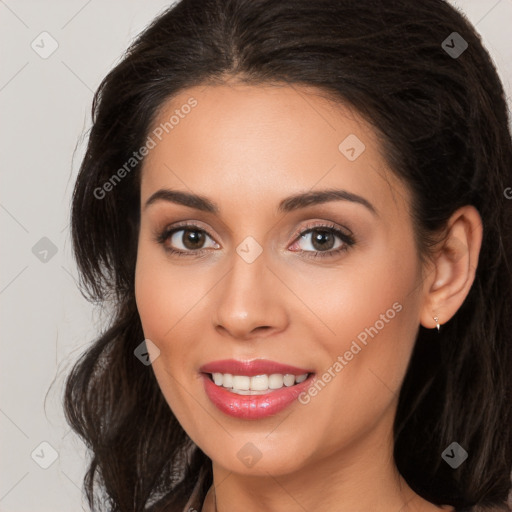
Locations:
253 389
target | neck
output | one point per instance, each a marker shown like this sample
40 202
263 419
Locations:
360 478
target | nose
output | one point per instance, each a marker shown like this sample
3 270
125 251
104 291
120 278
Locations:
250 302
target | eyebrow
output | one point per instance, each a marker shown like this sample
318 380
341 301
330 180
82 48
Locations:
289 204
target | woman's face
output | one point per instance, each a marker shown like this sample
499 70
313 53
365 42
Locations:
271 273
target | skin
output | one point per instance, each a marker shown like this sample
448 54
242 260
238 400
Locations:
246 148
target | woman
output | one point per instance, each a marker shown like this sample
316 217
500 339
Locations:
298 214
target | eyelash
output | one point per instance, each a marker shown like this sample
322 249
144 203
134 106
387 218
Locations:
348 240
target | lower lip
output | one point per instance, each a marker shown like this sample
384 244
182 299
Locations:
253 407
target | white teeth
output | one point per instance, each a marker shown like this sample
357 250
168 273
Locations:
289 380
275 381
228 380
258 384
241 382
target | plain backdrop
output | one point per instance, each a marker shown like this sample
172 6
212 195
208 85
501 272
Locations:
45 322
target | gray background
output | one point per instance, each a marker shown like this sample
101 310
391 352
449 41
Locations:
45 321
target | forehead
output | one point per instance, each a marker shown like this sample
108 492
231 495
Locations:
255 142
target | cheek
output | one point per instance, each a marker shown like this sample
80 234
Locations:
370 296
160 309
380 318
171 309
163 300
373 314
164 293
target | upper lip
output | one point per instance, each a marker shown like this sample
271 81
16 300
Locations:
251 368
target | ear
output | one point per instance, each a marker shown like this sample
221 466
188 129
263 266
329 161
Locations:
452 272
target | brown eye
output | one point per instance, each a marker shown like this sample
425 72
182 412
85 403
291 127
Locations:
322 239
192 239
186 240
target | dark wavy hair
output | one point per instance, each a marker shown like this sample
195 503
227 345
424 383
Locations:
443 123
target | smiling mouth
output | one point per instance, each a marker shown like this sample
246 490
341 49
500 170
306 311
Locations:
256 384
